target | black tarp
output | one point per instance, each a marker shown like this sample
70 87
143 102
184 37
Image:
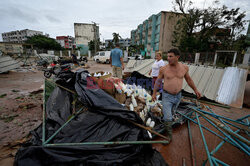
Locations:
139 79
105 120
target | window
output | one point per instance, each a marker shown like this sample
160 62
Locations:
102 54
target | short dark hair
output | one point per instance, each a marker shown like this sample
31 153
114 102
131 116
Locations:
117 44
175 51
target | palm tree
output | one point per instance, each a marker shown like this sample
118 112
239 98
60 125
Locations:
116 37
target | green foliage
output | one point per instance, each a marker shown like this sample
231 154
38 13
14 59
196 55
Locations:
91 45
8 118
43 42
3 95
116 37
135 49
110 45
207 29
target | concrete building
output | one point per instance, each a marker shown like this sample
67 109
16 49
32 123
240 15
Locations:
156 33
66 41
9 48
19 36
123 42
84 33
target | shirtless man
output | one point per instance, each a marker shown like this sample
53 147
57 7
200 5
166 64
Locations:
173 74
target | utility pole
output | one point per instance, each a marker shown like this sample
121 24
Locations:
95 35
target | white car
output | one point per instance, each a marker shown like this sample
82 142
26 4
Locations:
135 57
102 57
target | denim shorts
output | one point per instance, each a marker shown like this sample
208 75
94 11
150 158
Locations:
170 103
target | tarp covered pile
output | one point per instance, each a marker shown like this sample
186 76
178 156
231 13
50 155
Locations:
105 120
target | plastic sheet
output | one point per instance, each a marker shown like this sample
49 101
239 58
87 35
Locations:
105 120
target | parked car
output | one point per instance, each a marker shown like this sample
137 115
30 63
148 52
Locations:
102 57
135 57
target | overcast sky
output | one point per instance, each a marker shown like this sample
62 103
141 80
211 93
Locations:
57 17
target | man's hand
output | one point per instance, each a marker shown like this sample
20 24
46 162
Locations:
198 94
149 73
122 67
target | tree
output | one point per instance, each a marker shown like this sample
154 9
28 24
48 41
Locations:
116 38
91 45
110 45
198 29
43 42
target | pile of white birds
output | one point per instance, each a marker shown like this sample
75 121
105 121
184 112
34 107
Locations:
140 101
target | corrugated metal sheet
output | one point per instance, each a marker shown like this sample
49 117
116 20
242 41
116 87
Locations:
7 63
225 86
211 89
131 63
144 67
232 86
204 81
196 75
191 71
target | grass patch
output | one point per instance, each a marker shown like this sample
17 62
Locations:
13 90
3 95
7 118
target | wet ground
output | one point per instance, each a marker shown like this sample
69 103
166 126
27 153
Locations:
178 151
21 112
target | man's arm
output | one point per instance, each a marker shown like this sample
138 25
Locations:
157 83
190 82
121 59
110 58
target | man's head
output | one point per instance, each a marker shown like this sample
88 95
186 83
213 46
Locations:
158 55
173 56
117 45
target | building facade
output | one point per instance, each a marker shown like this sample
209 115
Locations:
19 36
156 33
66 41
84 33
123 42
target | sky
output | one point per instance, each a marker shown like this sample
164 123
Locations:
57 17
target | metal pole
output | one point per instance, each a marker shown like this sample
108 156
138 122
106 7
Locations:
244 117
191 144
215 58
204 141
235 55
44 112
223 127
108 143
72 117
233 142
219 116
219 145
202 126
223 121
219 161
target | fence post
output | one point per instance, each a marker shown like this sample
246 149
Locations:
215 58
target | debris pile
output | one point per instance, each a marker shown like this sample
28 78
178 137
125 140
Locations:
84 126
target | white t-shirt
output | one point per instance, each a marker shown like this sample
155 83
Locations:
156 67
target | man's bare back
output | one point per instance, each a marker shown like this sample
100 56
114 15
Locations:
173 77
